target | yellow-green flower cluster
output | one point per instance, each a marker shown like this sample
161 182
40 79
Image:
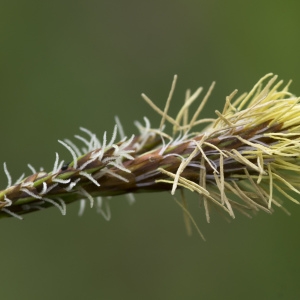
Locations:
244 160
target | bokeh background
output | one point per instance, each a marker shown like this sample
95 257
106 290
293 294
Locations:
65 64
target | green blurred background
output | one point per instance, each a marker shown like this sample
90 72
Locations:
65 64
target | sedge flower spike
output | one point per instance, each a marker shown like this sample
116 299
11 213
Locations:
244 160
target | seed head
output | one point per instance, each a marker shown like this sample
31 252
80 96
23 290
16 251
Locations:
244 160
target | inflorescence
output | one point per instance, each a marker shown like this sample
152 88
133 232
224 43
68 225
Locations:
236 163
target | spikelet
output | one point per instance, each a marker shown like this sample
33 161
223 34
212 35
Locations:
244 160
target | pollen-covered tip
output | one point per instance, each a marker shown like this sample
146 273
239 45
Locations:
246 158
